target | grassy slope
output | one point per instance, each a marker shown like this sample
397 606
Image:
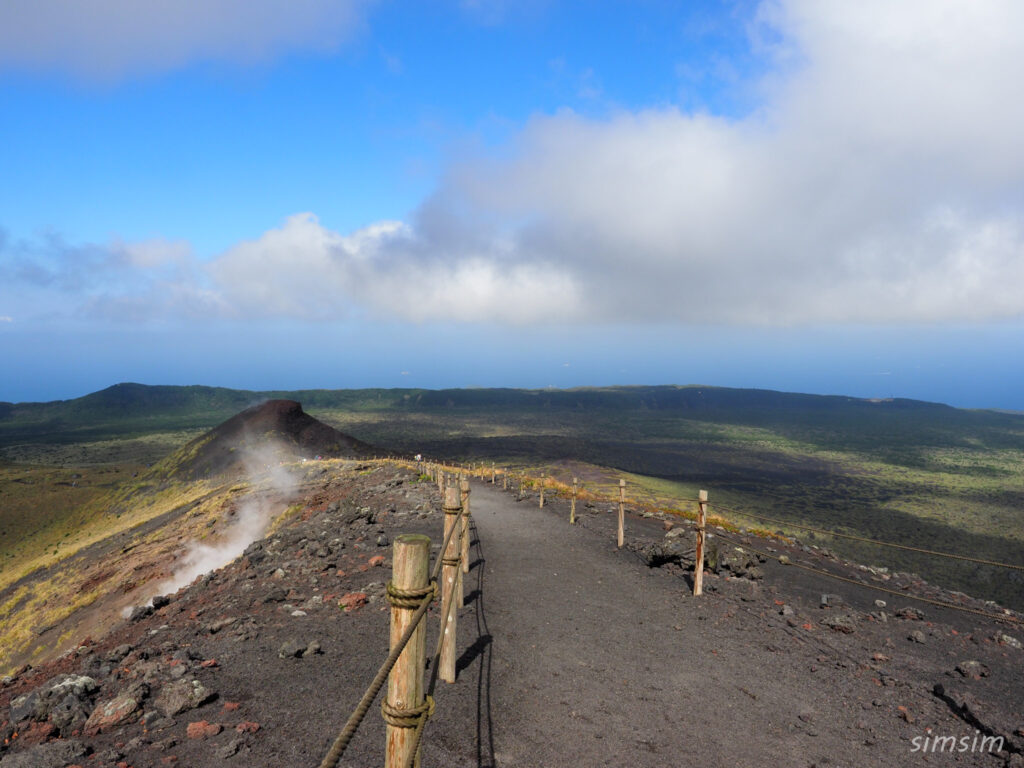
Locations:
918 473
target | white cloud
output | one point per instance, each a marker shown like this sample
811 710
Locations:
305 270
110 39
880 180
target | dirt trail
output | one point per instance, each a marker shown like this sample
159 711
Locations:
584 656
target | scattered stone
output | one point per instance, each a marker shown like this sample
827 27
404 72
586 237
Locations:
352 600
118 654
161 601
292 649
917 636
108 756
275 595
247 726
216 626
1009 640
376 561
972 669
165 744
55 754
123 708
880 603
203 730
23 707
844 623
230 749
37 733
181 696
879 657
313 648
912 614
64 701
140 612
298 614
786 610
149 718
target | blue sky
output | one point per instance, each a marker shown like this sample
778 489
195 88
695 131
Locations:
802 195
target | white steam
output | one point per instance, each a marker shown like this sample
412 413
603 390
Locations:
271 483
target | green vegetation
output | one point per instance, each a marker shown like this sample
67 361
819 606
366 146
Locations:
916 473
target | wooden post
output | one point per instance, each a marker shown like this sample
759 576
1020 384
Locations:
504 481
494 473
622 512
464 488
405 683
698 566
542 490
572 508
450 581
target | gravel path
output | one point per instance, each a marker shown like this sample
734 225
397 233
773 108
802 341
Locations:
584 656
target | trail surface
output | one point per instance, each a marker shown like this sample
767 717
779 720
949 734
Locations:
581 655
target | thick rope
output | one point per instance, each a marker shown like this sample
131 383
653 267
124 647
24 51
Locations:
409 598
393 593
407 718
821 572
340 743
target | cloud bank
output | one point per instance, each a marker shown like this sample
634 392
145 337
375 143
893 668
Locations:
880 180
112 39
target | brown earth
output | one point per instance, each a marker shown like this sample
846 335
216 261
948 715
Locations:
274 430
570 652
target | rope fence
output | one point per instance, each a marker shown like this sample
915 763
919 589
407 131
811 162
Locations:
701 519
407 707
408 704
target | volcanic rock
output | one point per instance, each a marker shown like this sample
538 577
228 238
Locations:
55 754
181 696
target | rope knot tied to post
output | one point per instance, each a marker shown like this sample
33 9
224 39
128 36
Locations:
407 718
453 561
410 598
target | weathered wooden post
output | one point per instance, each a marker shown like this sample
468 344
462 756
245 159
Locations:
404 698
494 473
622 512
702 520
542 490
572 508
504 481
464 495
451 580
